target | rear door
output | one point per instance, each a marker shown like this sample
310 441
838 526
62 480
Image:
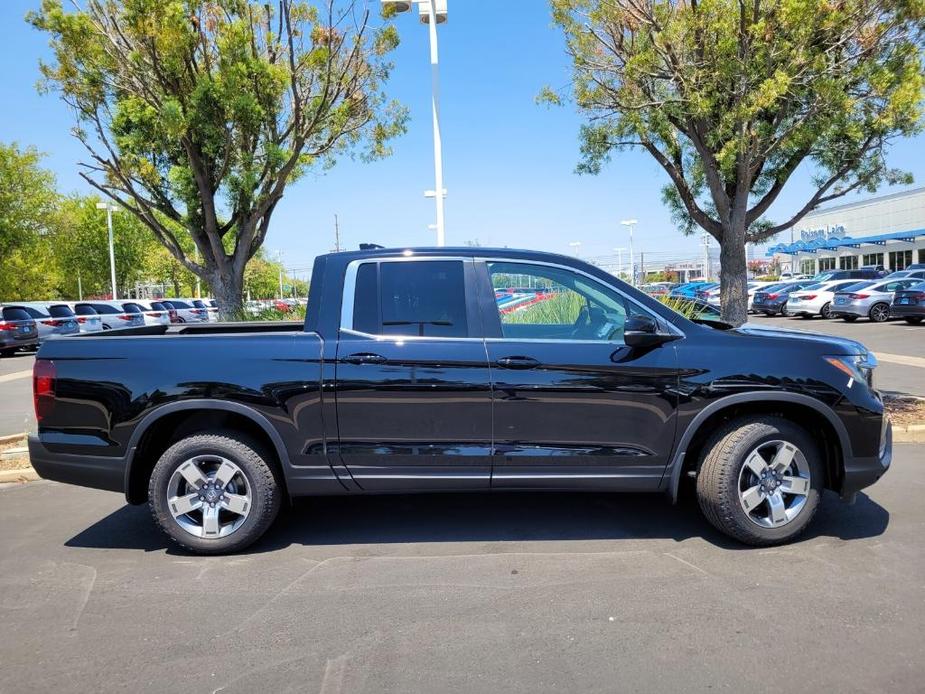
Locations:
413 385
574 407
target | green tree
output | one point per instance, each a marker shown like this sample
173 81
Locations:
731 97
198 113
81 248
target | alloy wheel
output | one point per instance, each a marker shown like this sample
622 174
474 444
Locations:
774 483
209 496
826 310
879 313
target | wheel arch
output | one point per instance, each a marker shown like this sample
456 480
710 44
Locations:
800 409
167 424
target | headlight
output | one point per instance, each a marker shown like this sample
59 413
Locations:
856 366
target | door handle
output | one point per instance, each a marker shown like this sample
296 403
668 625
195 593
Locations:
517 362
365 358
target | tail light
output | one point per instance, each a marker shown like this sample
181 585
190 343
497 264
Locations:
53 323
153 314
858 296
124 316
6 326
771 296
81 319
809 297
44 376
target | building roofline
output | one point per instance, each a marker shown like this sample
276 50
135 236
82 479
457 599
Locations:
863 203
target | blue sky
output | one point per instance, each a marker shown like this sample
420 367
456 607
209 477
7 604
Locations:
508 162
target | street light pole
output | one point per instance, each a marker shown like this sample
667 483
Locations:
432 12
631 223
110 208
619 260
577 246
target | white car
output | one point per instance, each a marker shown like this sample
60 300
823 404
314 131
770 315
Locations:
87 317
792 276
816 299
154 312
113 314
186 312
209 305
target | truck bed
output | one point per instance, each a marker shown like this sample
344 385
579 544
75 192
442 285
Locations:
203 329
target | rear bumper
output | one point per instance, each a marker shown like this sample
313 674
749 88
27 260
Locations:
863 472
849 310
899 311
10 343
95 471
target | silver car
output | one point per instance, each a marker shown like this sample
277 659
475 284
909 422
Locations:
52 319
871 299
153 312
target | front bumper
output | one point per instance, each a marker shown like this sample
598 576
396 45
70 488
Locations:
94 471
863 472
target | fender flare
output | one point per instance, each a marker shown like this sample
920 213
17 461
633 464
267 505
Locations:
677 460
202 404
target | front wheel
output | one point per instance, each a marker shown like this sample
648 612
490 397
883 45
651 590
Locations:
761 480
214 493
879 313
826 310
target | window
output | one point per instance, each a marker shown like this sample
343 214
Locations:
422 298
921 256
873 259
807 267
549 303
35 312
179 304
848 262
158 306
900 259
15 313
85 310
106 309
826 264
133 308
60 311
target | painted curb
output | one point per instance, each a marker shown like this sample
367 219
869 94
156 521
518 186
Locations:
10 438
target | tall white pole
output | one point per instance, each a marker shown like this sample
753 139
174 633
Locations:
196 252
632 258
112 252
435 108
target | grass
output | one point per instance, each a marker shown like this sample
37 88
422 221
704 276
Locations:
562 309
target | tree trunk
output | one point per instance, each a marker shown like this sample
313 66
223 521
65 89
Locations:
227 291
733 289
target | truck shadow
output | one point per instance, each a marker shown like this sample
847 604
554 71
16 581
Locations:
483 517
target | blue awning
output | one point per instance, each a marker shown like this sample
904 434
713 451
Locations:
846 242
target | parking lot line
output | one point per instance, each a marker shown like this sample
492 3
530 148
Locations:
16 375
901 359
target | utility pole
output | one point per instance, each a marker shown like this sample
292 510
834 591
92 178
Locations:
631 223
80 289
279 256
110 208
336 236
706 258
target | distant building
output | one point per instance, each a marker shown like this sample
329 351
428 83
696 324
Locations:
887 230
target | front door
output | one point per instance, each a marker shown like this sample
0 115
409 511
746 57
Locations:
413 384
573 405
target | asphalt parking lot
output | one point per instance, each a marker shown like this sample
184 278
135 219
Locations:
465 593
16 412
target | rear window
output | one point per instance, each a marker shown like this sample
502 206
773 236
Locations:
854 287
179 304
85 310
200 304
61 311
133 308
35 312
106 309
158 306
15 313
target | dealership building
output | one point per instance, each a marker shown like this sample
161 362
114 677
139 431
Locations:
888 230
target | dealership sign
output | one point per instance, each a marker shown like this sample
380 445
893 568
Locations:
826 233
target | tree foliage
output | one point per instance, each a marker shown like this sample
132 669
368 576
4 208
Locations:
198 113
730 97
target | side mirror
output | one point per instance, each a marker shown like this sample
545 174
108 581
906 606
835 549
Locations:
642 331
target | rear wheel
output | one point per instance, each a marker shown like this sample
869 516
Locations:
826 310
913 320
7 352
783 309
761 480
214 493
879 313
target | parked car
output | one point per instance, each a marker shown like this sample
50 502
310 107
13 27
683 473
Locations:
909 304
87 317
185 311
153 313
754 287
868 272
408 375
872 300
210 306
773 300
46 324
815 299
907 273
17 331
114 315
792 276
688 290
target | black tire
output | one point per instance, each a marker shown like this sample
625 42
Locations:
769 314
250 458
913 320
879 313
849 318
805 315
8 352
724 459
826 310
783 309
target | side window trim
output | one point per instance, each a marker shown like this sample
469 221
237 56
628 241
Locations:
348 300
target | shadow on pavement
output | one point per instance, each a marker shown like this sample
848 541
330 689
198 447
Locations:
483 517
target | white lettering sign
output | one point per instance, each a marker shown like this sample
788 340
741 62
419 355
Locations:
826 233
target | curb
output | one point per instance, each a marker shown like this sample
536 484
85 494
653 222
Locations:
26 474
910 433
10 438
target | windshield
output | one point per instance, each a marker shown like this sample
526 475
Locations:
854 287
61 311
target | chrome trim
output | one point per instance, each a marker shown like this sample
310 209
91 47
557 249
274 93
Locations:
402 338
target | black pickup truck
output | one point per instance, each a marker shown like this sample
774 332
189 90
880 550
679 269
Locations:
423 370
